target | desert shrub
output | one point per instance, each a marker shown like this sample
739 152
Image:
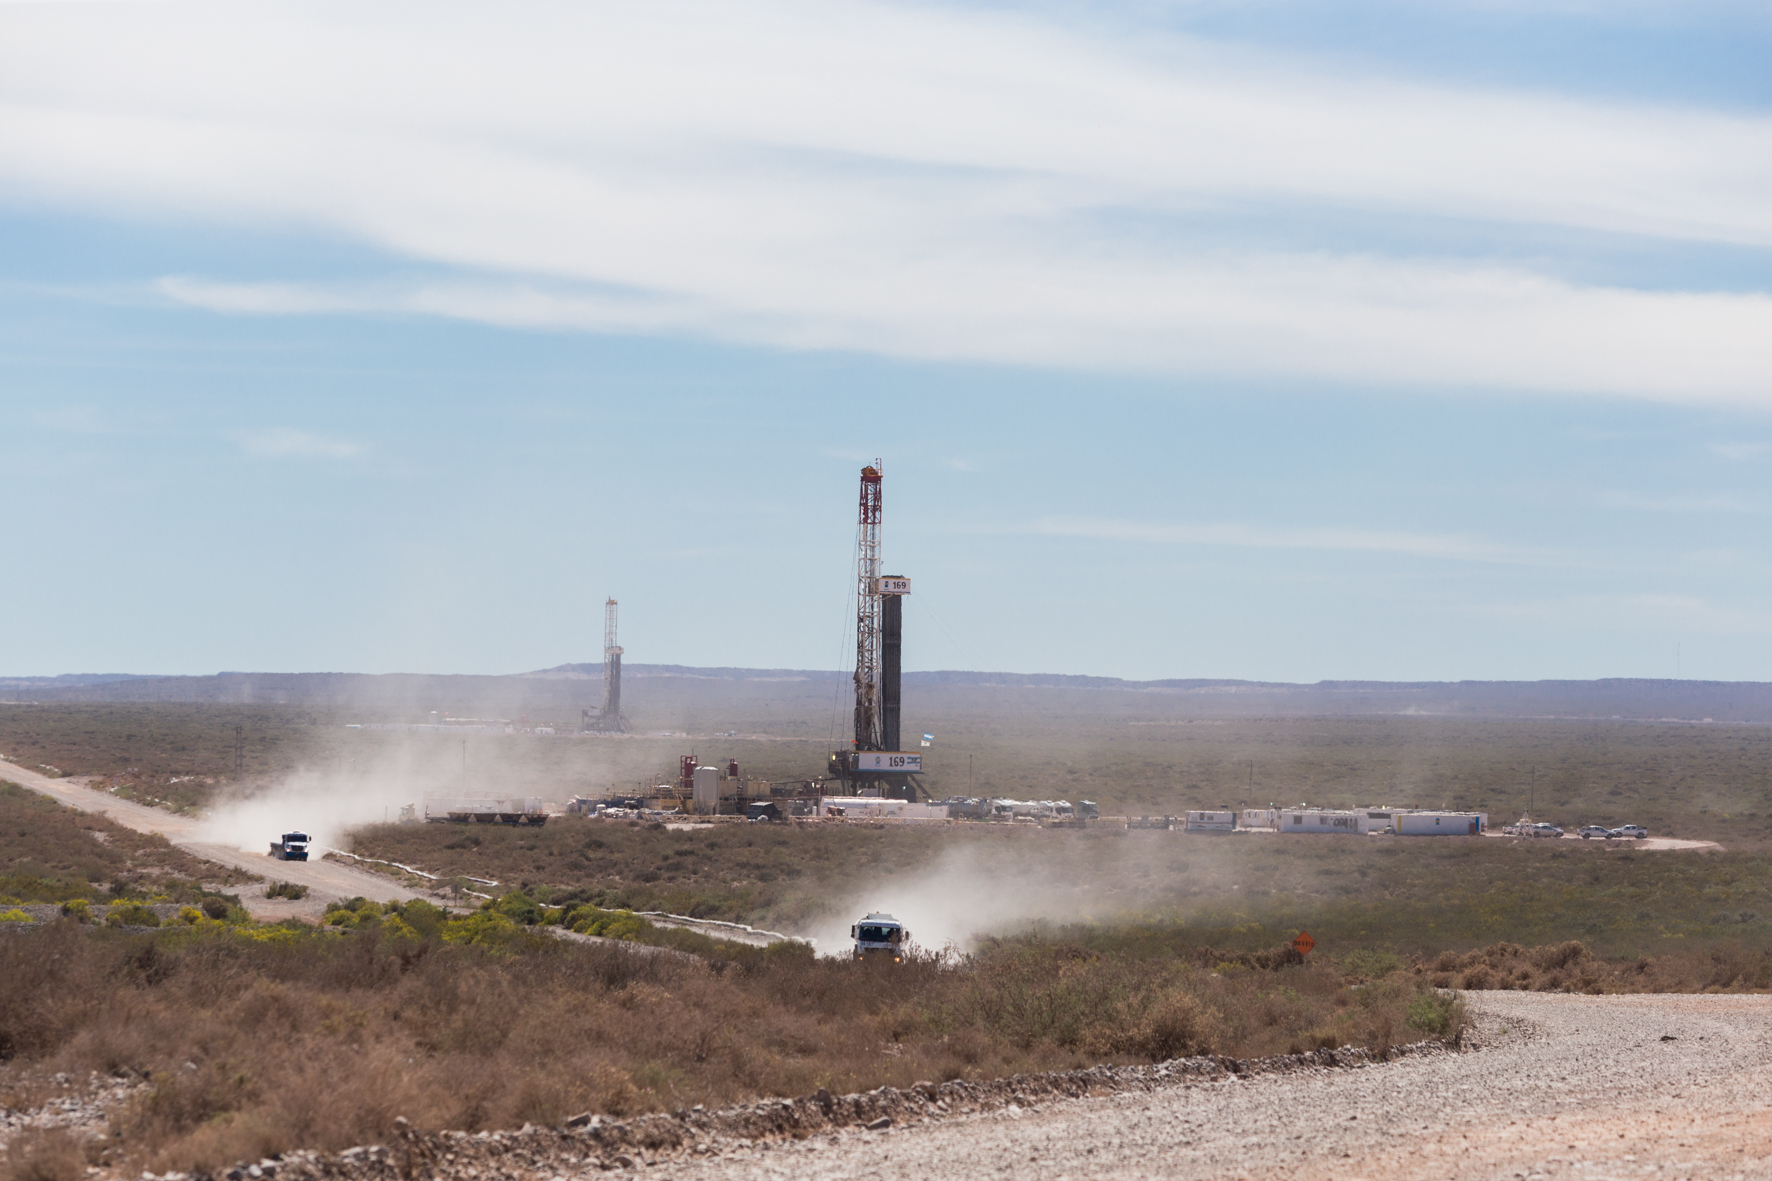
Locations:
422 918
611 924
1173 1025
15 916
78 909
47 1154
189 915
1366 964
131 914
1436 1012
482 929
290 890
519 908
215 908
354 912
1266 960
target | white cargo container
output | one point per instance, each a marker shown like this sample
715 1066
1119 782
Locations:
1208 821
1320 821
1259 818
486 809
1441 824
875 808
1378 819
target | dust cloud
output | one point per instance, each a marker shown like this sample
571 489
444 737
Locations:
998 887
329 800
325 806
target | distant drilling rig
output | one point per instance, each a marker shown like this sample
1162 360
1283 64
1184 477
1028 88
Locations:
875 760
608 720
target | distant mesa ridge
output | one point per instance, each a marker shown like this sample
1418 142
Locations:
671 686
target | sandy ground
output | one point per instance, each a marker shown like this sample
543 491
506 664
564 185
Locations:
1564 1086
327 881
1651 844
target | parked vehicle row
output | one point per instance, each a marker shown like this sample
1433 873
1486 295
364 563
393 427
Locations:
1528 828
1623 831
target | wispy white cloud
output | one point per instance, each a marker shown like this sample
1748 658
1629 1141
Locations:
1345 320
905 179
274 441
1653 612
1452 547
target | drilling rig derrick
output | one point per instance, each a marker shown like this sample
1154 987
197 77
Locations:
874 760
867 612
608 720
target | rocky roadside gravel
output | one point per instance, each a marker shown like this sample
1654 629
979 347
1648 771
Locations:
83 1108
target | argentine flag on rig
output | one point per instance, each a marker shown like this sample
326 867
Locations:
928 738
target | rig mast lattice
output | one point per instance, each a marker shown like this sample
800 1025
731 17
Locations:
867 612
609 720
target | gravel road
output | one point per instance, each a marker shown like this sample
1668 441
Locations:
1562 1086
327 881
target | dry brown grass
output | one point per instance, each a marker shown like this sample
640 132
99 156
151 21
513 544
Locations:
46 1154
1571 967
254 1047
49 853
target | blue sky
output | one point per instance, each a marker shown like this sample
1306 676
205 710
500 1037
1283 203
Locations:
1422 340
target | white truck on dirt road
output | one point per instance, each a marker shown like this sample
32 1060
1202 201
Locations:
291 846
880 935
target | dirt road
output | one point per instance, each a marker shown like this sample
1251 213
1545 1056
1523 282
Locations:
1565 1086
1643 844
326 881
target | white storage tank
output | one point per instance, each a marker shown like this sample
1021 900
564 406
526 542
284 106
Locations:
707 790
1441 824
1209 821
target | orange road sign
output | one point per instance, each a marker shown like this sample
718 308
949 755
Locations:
1304 943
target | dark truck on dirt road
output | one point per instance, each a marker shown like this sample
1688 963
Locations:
291 846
